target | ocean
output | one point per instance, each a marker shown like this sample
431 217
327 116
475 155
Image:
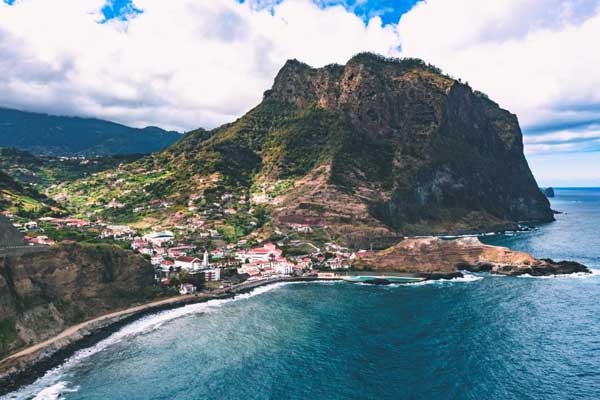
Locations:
479 337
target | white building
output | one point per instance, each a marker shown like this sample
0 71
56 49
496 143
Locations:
213 274
188 263
187 288
159 238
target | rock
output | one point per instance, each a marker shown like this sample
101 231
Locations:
434 257
549 192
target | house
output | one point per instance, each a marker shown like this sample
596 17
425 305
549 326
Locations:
250 269
282 266
187 288
117 232
147 250
302 228
217 253
76 223
180 251
156 260
137 244
40 240
188 263
266 253
362 253
213 274
167 265
31 226
115 204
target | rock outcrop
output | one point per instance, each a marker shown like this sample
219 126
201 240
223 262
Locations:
434 256
41 294
549 192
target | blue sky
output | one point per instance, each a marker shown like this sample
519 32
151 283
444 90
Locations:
189 63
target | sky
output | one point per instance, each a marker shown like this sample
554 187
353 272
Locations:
183 64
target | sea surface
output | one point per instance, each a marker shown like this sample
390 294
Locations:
479 337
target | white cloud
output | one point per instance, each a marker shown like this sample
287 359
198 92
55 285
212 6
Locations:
179 64
189 63
537 58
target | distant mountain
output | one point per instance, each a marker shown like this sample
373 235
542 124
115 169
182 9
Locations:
72 136
44 171
373 150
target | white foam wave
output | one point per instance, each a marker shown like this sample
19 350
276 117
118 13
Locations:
466 278
54 392
578 275
51 386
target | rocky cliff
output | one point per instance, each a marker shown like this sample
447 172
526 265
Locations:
41 294
383 146
9 236
438 256
421 152
374 149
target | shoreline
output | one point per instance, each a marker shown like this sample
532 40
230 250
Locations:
28 364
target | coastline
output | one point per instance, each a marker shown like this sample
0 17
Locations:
27 365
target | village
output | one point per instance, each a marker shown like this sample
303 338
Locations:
182 266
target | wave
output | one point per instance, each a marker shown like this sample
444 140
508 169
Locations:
51 385
54 392
578 275
466 278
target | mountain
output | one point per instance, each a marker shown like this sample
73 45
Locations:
373 150
71 136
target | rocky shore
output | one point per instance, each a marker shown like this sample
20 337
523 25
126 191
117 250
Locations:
27 365
433 257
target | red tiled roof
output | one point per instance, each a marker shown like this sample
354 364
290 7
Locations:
186 259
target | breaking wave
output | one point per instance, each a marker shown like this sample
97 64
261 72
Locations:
51 386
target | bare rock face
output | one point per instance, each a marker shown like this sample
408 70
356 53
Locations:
425 154
9 236
438 256
41 294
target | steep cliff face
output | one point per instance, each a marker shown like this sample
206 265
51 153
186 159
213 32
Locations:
9 236
41 294
421 151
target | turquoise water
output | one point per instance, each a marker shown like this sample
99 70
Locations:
481 337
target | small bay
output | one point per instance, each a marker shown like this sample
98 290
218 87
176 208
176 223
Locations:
483 337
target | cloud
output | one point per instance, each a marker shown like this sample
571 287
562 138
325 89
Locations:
188 63
176 64
584 139
535 57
